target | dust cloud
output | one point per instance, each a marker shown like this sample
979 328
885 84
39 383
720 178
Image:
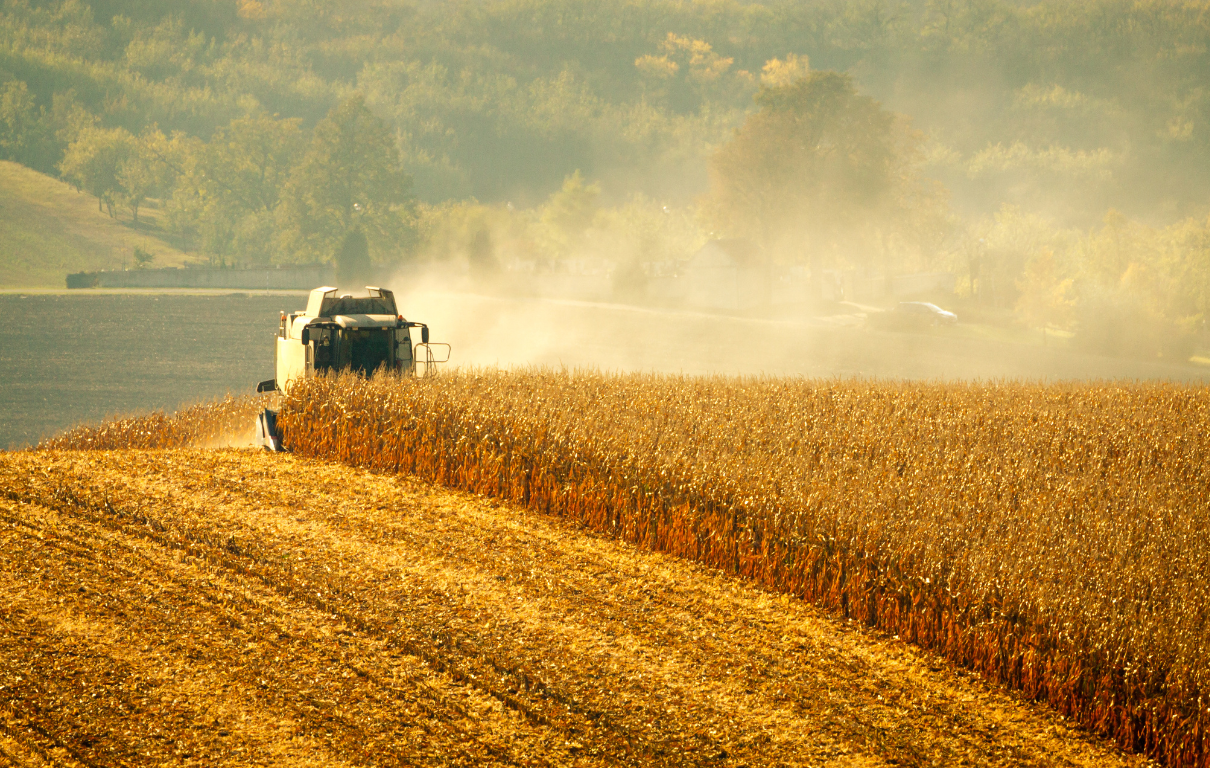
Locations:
243 438
487 326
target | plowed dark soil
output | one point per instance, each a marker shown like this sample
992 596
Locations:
237 608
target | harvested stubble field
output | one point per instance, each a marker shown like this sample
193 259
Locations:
1054 538
188 607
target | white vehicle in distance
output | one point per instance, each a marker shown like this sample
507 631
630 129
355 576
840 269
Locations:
923 313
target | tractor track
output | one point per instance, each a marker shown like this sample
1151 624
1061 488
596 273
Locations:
240 608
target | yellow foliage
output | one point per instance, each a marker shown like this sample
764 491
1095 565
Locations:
704 65
251 10
656 66
781 72
1046 299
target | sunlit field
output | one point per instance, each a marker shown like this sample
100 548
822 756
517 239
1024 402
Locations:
233 608
1052 537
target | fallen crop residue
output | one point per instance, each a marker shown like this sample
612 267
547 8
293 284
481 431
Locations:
224 608
1056 538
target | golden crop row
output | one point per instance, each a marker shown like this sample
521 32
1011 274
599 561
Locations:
1054 537
230 421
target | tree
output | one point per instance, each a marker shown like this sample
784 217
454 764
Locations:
1045 298
779 73
350 179
812 171
94 161
1009 241
146 171
481 254
568 214
250 160
687 71
142 258
1188 262
25 135
644 238
680 52
353 260
137 179
28 131
230 188
16 116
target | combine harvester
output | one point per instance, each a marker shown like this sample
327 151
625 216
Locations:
358 333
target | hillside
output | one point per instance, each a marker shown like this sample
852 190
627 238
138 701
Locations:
48 230
235 608
1064 108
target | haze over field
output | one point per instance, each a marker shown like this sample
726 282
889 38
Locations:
72 359
498 331
1053 157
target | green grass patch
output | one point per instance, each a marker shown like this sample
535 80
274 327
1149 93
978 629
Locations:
48 230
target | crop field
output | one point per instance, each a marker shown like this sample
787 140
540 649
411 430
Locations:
235 608
226 423
84 357
1053 538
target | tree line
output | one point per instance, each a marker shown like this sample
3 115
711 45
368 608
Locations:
1075 107
877 137
261 190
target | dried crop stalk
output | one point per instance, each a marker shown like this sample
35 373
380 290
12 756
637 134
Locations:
227 421
1046 536
1055 538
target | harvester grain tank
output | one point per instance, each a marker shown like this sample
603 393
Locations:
338 332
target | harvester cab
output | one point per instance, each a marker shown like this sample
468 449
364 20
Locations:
344 332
